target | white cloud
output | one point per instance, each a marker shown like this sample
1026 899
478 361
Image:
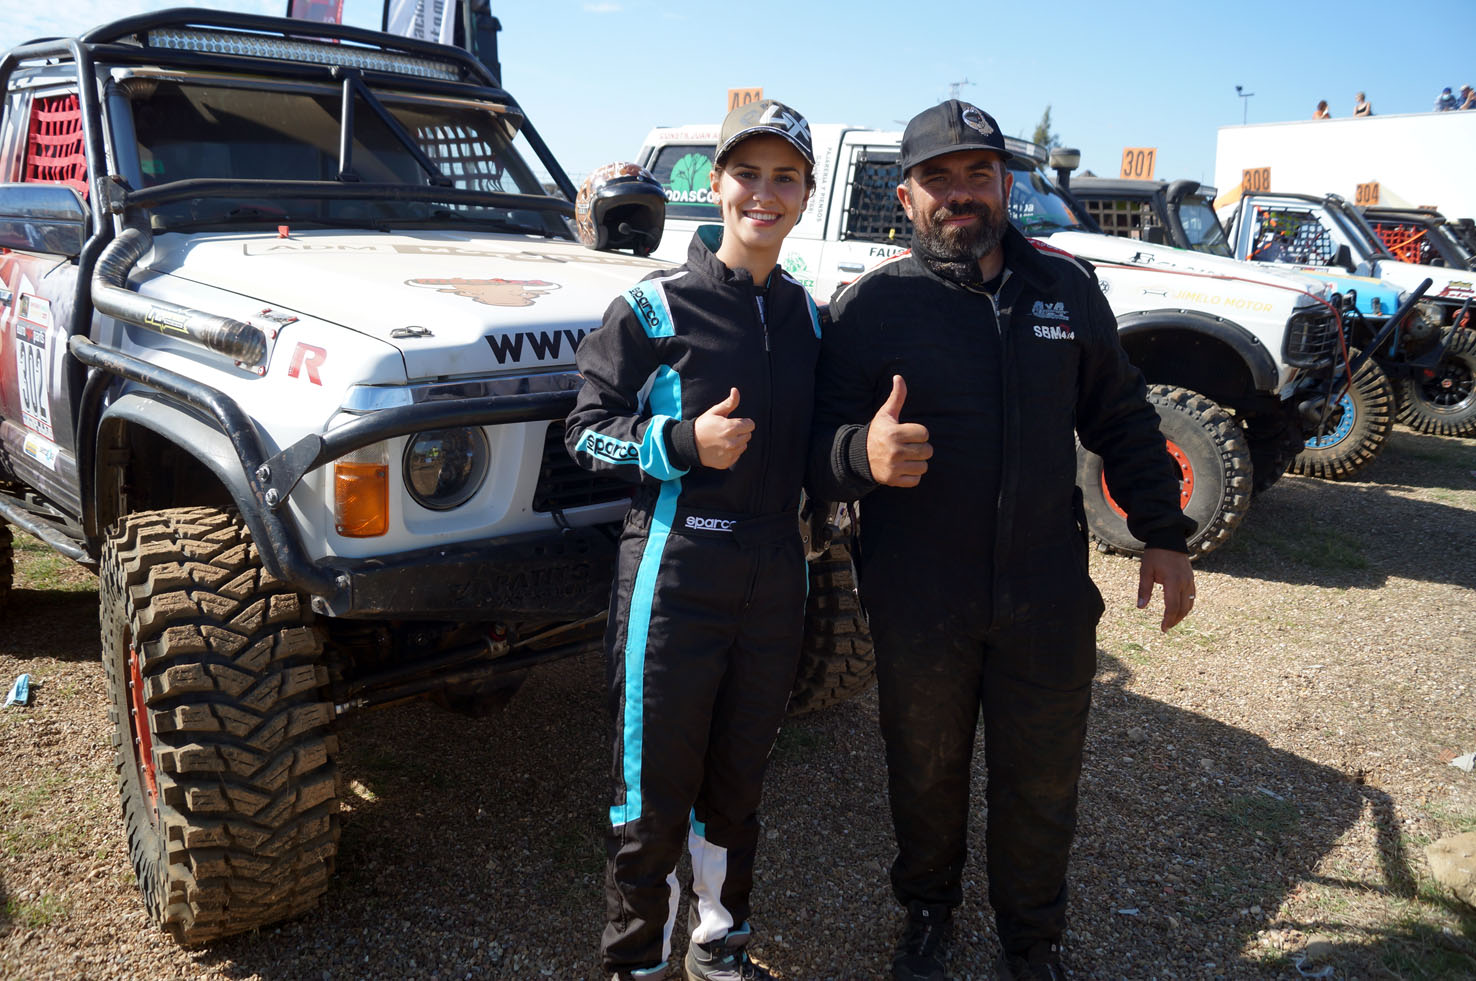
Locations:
602 8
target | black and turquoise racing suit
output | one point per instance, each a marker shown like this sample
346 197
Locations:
707 608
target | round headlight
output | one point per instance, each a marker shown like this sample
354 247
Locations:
445 467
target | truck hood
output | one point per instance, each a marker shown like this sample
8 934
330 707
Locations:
452 303
1100 249
1448 286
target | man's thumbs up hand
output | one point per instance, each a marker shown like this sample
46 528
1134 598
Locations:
896 451
722 439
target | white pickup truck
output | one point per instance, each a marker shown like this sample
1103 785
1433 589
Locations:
1433 369
1232 359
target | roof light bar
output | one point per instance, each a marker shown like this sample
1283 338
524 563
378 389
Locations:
285 49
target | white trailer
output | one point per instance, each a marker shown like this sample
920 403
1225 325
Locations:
1415 160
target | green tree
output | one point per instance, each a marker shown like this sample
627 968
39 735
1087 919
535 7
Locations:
1043 134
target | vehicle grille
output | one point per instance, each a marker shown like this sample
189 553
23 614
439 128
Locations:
1311 339
564 484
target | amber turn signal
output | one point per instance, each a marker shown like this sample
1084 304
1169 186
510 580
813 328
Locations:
361 499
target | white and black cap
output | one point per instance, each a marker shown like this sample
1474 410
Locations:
765 116
946 128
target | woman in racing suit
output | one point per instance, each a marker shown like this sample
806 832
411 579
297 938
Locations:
698 387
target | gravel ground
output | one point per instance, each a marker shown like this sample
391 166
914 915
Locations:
1259 785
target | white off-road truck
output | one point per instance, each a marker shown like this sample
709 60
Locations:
288 314
1358 415
1433 363
1232 357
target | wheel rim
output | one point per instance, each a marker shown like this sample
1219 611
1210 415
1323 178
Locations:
1449 387
1340 431
1186 480
143 743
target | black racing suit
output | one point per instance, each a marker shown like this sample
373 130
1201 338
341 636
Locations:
707 609
976 580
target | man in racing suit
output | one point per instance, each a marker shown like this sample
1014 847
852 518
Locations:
707 608
987 354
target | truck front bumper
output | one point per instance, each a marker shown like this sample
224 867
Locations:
559 575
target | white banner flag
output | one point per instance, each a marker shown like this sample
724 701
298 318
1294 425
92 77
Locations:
429 20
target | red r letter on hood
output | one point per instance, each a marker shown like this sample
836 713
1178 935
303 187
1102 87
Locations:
309 357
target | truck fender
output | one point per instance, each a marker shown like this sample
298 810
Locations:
196 438
1258 361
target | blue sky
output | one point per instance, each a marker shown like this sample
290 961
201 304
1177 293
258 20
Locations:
595 75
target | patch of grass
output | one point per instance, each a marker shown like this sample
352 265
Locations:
1432 451
1257 814
1451 821
800 741
34 914
38 567
1135 652
19 834
1421 950
1327 549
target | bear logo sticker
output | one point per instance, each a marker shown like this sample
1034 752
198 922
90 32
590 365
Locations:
492 292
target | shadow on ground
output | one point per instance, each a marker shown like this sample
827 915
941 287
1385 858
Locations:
503 817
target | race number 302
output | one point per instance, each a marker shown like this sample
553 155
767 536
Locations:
31 361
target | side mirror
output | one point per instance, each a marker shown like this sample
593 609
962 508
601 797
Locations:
1343 257
48 218
620 206
1060 158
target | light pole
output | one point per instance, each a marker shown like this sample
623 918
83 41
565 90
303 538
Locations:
1244 103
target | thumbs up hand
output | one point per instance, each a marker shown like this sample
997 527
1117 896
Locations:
722 439
896 451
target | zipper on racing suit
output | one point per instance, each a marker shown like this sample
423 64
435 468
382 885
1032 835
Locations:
768 374
1008 462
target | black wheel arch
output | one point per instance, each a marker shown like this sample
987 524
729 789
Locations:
1199 351
187 456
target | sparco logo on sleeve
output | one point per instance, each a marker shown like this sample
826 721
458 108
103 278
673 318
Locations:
1051 311
644 307
710 524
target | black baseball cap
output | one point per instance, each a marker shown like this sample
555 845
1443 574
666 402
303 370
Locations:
765 116
947 127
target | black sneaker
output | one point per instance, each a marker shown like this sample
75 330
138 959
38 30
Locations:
1041 963
922 953
724 960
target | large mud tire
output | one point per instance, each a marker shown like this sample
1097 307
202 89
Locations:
7 564
836 659
1358 428
1215 474
1443 401
221 735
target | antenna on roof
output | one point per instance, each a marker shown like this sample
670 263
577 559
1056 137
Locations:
953 87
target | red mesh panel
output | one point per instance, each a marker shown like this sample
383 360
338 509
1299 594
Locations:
1407 244
54 143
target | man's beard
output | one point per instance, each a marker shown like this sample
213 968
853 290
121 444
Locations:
955 252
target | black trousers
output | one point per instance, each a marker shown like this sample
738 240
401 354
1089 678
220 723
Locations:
704 642
1031 681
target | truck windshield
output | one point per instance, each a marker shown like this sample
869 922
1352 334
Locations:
1201 227
1036 207
188 130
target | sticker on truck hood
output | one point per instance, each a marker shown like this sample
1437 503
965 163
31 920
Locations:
1458 289
492 292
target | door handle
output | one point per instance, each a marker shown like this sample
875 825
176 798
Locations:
850 267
